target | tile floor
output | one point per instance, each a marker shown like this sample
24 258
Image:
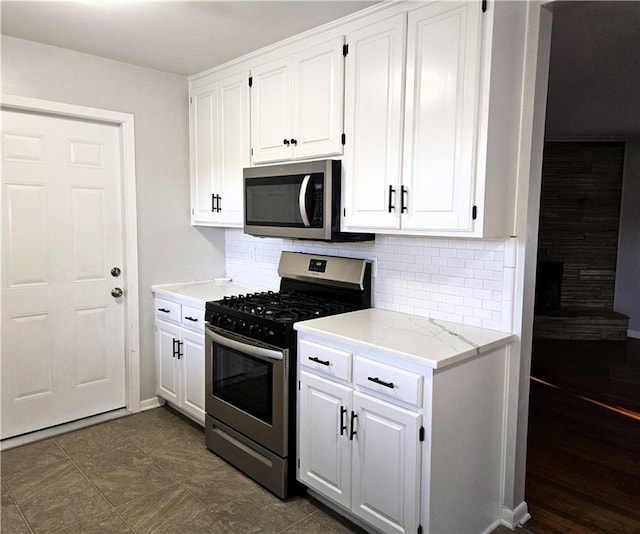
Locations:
145 473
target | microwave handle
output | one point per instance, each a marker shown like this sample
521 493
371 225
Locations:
302 200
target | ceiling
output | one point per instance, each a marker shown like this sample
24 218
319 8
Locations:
180 36
594 72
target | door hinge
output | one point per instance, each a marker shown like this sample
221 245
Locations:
193 211
484 6
345 50
344 139
250 81
298 390
252 151
421 434
344 212
474 213
190 100
419 529
298 463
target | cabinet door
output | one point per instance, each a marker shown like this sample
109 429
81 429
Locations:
443 67
167 364
204 139
271 129
386 465
325 449
373 124
192 374
317 75
233 146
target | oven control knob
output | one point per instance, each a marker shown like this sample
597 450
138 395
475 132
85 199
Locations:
239 326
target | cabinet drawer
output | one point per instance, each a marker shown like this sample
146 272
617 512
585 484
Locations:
167 310
389 381
326 360
193 318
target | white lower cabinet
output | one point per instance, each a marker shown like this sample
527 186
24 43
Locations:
359 451
385 471
398 444
180 357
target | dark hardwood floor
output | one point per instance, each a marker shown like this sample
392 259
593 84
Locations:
583 464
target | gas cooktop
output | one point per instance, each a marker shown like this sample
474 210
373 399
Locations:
311 286
283 307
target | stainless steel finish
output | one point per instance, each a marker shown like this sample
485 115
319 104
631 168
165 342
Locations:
302 200
117 292
259 463
307 167
242 346
116 271
274 436
340 272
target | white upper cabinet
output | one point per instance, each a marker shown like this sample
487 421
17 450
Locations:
296 104
422 107
442 91
220 148
373 124
432 150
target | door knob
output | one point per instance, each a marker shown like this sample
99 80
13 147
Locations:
117 292
115 272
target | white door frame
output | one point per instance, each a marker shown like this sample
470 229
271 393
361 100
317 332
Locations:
129 216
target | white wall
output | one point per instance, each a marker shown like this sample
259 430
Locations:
469 281
170 250
627 293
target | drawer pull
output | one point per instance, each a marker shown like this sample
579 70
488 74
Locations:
164 310
318 360
382 383
191 319
343 426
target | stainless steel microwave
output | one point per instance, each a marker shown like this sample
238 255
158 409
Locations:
296 201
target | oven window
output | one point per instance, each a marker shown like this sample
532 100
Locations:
244 382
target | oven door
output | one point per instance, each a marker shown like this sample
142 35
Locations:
247 387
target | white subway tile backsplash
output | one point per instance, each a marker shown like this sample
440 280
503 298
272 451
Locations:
463 280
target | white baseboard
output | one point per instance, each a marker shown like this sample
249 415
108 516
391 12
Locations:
492 527
635 334
518 516
151 403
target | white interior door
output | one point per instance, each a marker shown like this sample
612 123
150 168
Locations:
63 346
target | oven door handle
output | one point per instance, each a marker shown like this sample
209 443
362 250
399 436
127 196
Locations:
252 350
302 200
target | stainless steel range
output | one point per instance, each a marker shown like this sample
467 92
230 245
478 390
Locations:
251 361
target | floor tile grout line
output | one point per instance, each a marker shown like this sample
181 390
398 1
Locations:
209 508
113 508
309 515
214 509
18 507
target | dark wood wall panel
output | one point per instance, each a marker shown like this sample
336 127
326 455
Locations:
579 218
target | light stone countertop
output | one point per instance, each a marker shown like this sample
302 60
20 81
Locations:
198 293
421 340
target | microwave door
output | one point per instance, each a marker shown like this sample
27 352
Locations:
302 200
